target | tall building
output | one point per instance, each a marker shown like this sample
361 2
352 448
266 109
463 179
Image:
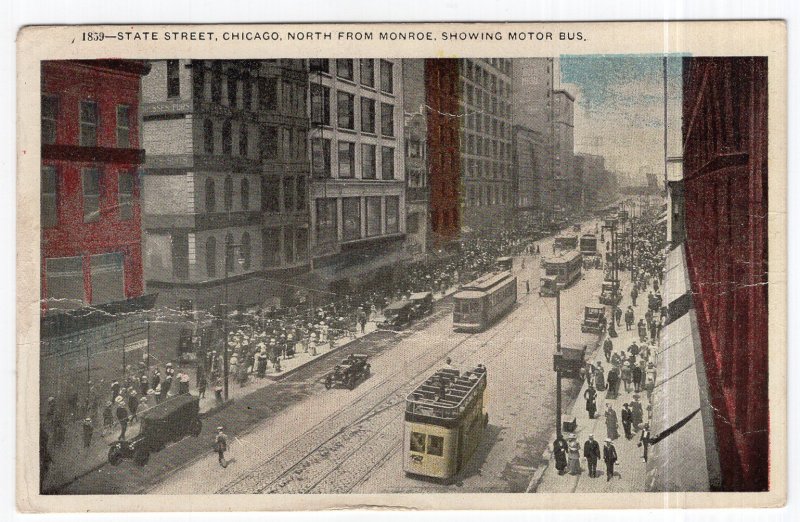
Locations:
529 169
486 141
444 158
226 190
590 173
358 207
564 149
416 155
92 287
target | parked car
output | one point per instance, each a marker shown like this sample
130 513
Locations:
347 373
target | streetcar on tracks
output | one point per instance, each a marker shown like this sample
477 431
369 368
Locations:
560 272
445 419
480 303
566 242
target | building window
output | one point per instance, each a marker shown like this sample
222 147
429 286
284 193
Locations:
243 140
387 119
211 256
367 72
216 82
415 148
269 143
49 196
233 91
49 119
211 196
247 92
227 138
326 221
125 195
392 214
345 110
268 93
288 245
344 69
108 278
271 247
387 76
64 281
387 162
368 115
230 254
373 216
89 119
320 105
173 79
321 157
346 159
319 65
90 181
228 195
208 136
245 194
288 194
367 161
351 219
301 244
270 194
246 251
123 127
301 194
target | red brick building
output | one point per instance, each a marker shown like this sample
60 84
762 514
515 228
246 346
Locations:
91 216
725 179
442 97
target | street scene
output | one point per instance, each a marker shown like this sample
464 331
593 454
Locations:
366 276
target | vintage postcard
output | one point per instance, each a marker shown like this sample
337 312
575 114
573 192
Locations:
419 266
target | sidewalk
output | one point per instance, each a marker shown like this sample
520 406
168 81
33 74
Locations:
71 460
629 471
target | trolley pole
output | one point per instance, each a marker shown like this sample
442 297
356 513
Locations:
558 363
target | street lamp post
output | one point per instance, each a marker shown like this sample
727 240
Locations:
558 364
225 318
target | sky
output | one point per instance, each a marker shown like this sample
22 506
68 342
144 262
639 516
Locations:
619 109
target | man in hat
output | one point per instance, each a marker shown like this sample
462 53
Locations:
591 396
608 348
627 420
644 441
610 458
637 413
88 430
133 404
221 446
122 416
591 451
108 416
626 375
612 430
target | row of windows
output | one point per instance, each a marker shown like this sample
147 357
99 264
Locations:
487 195
351 211
346 111
473 71
476 168
484 99
346 156
88 122
486 122
95 198
279 246
287 143
288 194
345 69
477 145
65 281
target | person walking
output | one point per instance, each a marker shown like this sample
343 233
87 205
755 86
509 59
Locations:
221 446
644 441
122 416
560 454
591 452
612 425
88 430
574 455
599 377
626 375
629 319
634 294
627 420
636 375
591 397
608 348
618 315
610 458
637 412
613 383
133 405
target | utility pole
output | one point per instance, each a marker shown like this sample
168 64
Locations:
558 363
232 247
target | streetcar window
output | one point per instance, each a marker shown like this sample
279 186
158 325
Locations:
435 445
417 442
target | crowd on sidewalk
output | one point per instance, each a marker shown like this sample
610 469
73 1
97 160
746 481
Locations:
629 373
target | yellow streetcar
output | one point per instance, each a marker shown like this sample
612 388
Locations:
444 423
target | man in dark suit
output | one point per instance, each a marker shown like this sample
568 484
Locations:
627 420
591 451
610 458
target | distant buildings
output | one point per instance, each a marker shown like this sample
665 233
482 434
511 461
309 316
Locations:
92 287
567 185
358 206
530 168
416 156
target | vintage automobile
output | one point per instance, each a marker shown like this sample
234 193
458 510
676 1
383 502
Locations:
422 304
548 286
352 369
570 361
591 319
397 314
167 422
610 294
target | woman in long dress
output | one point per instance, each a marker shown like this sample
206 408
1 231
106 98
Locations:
560 454
574 450
612 426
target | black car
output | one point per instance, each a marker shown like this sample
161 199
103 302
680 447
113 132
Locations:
167 422
348 372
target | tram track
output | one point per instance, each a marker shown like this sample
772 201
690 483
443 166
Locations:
337 462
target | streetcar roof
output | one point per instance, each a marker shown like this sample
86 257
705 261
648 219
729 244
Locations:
459 389
420 295
469 294
563 258
397 305
486 281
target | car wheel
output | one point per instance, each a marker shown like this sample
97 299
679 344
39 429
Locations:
351 382
141 456
367 371
114 455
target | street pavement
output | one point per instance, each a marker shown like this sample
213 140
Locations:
630 471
